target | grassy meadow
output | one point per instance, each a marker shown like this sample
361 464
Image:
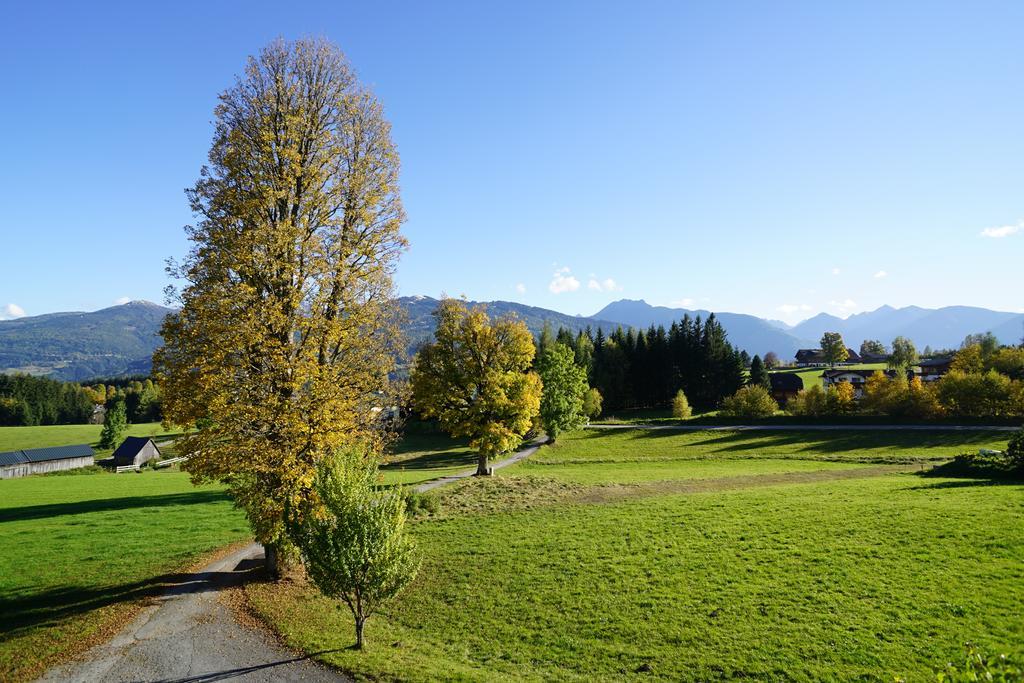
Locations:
18 438
696 556
79 552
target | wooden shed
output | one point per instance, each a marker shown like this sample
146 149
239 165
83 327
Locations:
40 460
135 450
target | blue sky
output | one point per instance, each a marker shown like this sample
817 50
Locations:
779 159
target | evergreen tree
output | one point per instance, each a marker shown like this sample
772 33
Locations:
759 374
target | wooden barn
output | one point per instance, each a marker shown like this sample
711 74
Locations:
784 386
41 460
135 450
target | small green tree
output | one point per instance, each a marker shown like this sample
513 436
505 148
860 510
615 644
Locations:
564 385
114 424
750 401
681 406
903 355
833 348
759 374
592 401
1015 451
356 549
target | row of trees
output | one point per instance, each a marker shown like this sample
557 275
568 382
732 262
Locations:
645 369
26 400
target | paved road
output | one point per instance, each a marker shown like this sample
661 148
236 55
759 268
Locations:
191 636
810 428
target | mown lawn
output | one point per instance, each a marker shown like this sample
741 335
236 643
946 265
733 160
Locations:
419 457
17 438
79 552
527 578
639 445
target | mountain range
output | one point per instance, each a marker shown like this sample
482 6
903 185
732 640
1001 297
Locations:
120 340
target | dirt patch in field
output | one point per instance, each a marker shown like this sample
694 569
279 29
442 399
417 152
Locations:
615 492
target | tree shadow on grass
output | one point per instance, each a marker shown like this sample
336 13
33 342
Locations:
431 461
28 512
958 475
26 611
825 442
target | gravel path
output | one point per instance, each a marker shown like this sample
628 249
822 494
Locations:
191 636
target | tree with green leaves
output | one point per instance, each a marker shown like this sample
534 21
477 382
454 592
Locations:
592 401
750 401
833 348
681 409
475 379
903 356
356 549
872 347
564 386
759 374
115 422
771 360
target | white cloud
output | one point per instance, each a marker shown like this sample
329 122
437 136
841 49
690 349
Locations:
521 288
11 311
681 303
844 306
793 308
836 271
123 300
1003 230
880 274
605 285
563 281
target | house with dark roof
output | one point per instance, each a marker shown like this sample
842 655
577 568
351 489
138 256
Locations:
858 378
785 386
41 460
933 369
136 451
806 358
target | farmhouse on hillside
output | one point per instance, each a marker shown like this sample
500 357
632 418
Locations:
934 368
858 378
807 358
135 451
784 386
40 460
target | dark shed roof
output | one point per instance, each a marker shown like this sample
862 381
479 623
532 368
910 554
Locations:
131 446
935 362
786 381
45 454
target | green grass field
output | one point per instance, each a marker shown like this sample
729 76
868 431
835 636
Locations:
17 438
573 566
812 376
79 551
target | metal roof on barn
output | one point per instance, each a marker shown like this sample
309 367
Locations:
131 446
46 454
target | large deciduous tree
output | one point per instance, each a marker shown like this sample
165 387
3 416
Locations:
833 348
564 387
475 379
285 336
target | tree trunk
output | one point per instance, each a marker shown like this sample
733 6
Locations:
272 561
482 470
359 632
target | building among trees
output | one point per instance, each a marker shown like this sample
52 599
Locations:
136 451
41 460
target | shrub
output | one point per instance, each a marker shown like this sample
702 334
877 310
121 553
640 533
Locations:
750 401
356 549
420 504
808 402
1015 451
681 406
976 394
592 401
